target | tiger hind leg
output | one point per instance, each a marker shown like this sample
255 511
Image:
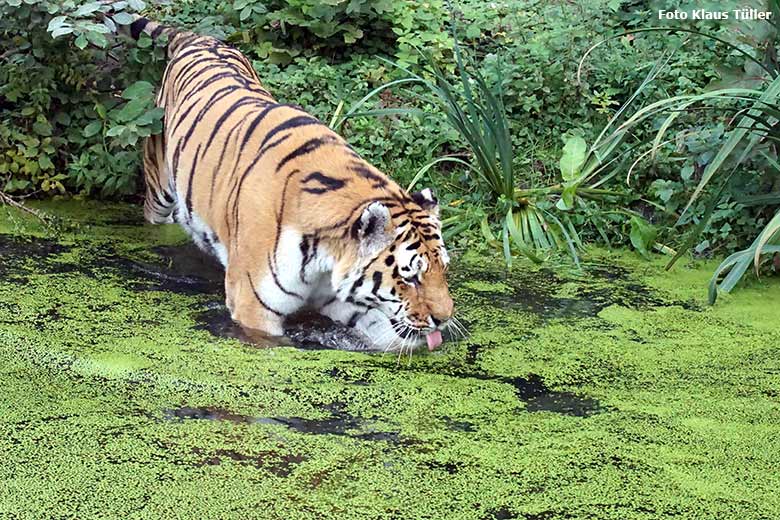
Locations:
160 201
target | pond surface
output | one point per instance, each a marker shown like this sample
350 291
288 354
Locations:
614 392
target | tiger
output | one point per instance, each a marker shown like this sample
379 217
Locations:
296 217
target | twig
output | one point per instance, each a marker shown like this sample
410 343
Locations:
7 199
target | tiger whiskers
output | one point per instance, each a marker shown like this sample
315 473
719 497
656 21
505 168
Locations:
391 337
404 340
458 328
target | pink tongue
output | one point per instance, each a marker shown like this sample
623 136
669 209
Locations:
434 339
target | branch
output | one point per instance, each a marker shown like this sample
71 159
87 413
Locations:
7 199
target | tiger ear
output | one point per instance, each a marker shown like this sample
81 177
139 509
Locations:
372 230
426 200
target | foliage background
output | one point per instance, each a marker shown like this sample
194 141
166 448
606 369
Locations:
76 99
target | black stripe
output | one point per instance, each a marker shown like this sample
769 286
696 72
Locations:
279 217
215 62
309 254
157 31
182 73
377 281
413 245
192 72
328 183
229 111
405 235
344 221
306 148
354 318
137 27
217 96
188 198
278 283
185 140
213 79
304 247
259 299
218 167
253 125
378 180
293 122
356 285
237 187
183 41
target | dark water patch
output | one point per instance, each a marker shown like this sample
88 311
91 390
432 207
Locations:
338 422
614 273
505 513
186 272
459 426
450 467
188 266
347 377
538 291
14 246
531 292
216 320
209 414
500 513
19 255
531 390
342 423
274 462
45 318
539 398
304 330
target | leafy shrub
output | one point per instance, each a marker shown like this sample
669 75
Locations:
278 30
63 125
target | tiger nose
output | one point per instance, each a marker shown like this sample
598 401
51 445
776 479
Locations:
443 314
443 311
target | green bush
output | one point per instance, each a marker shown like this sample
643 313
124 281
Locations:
278 30
72 108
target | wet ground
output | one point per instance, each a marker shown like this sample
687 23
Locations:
614 392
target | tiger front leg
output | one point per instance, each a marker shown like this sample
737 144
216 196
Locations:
249 308
372 324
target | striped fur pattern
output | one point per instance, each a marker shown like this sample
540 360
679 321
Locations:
297 218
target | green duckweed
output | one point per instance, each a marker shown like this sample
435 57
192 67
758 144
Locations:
614 394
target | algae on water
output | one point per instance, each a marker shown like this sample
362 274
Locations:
614 394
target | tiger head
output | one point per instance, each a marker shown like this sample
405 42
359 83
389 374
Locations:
400 271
